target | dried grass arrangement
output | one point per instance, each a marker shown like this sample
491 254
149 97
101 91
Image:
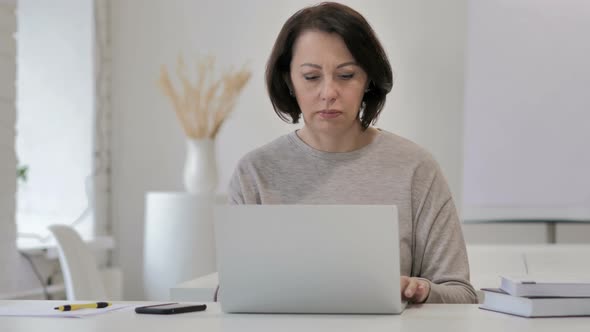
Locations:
202 107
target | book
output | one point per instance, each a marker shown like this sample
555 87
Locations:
497 300
546 286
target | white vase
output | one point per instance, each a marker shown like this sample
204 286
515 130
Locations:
200 168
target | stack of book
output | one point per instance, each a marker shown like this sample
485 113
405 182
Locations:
531 296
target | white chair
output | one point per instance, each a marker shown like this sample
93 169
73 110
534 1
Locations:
82 279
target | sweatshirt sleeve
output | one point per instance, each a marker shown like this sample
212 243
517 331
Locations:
243 188
439 253
234 191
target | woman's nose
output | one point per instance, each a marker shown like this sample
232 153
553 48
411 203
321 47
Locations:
329 90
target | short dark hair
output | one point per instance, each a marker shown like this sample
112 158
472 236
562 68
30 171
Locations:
361 41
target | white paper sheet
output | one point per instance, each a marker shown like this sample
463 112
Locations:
46 309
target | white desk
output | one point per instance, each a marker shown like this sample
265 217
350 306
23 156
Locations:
200 289
429 318
197 290
551 223
489 262
178 240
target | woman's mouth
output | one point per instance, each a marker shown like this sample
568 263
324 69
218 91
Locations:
329 114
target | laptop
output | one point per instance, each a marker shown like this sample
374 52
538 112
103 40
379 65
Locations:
308 259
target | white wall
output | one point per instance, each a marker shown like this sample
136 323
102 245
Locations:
8 253
424 40
56 111
527 116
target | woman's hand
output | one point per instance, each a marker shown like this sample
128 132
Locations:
414 290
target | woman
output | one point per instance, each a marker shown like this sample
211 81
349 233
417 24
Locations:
328 67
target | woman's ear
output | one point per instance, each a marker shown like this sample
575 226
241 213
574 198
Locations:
368 86
287 79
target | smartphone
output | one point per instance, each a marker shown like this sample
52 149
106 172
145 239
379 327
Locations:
170 308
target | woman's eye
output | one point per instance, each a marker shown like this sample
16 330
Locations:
311 77
346 76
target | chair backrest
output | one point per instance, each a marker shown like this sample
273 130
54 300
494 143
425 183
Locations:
81 276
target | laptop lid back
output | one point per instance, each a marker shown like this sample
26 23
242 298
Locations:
308 258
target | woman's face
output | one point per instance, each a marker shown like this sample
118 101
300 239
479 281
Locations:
328 83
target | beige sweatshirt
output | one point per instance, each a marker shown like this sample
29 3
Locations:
390 170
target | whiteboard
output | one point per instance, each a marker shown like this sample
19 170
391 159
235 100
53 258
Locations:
527 110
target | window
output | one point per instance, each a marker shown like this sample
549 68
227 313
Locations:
55 115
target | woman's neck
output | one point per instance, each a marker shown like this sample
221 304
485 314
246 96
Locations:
347 141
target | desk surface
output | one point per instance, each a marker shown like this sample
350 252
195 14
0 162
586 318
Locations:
526 221
428 317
